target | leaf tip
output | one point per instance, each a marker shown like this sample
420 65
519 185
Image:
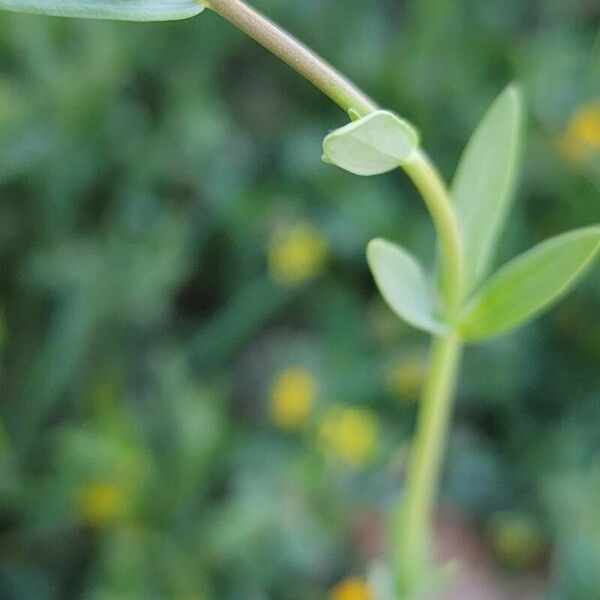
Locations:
513 94
515 91
353 114
378 244
374 247
594 231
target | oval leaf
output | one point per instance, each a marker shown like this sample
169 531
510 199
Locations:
525 286
375 144
484 182
121 10
403 285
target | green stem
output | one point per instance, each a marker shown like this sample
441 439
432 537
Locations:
344 93
323 76
431 186
412 551
413 548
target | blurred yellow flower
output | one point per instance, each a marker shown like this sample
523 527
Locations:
296 254
581 138
349 434
292 397
351 589
100 503
515 539
405 376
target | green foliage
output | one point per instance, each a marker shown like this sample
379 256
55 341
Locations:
527 285
467 227
120 10
481 193
484 182
375 144
405 287
143 172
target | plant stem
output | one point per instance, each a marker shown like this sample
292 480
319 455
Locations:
413 535
412 551
295 54
344 93
413 547
431 186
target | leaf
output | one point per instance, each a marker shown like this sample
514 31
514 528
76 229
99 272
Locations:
372 145
403 285
530 283
484 183
354 115
121 10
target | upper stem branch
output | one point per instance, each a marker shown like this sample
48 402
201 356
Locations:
436 403
348 96
295 54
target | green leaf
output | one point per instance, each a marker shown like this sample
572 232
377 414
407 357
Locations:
354 115
524 287
484 183
121 10
374 144
403 285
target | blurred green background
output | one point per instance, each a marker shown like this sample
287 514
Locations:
202 396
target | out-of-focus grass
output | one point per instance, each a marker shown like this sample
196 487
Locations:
171 247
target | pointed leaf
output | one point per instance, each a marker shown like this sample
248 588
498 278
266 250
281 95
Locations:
524 287
374 144
353 114
484 182
121 10
403 285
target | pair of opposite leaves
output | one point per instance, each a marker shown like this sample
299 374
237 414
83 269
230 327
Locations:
481 193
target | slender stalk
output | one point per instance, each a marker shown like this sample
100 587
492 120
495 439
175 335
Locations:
414 533
295 54
413 548
433 190
344 93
